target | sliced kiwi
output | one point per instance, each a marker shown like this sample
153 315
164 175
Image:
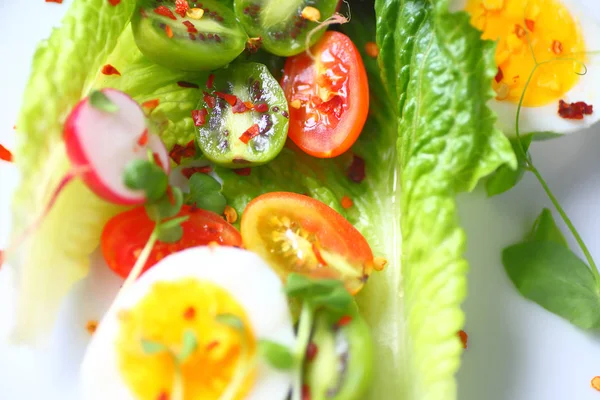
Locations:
244 116
203 35
280 24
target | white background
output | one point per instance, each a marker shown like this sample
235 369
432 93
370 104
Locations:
517 351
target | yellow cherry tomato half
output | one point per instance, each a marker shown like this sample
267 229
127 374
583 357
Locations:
298 234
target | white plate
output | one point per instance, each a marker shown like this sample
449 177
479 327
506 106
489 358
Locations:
517 351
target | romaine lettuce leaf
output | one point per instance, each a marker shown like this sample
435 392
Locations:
432 138
55 255
447 142
144 81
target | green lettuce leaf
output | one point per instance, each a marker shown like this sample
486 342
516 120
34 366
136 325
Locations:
440 72
144 81
55 254
437 71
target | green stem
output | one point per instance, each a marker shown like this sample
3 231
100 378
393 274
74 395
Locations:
177 392
534 171
240 374
141 261
304 330
568 222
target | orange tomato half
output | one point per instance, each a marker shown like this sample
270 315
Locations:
296 233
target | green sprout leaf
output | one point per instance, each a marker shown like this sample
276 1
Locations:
171 231
101 102
328 293
277 355
232 321
205 193
555 278
545 229
505 178
147 176
150 347
190 343
166 207
170 235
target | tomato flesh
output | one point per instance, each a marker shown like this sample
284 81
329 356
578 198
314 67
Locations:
296 233
328 96
126 234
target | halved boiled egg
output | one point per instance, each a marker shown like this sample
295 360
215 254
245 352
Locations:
165 337
559 98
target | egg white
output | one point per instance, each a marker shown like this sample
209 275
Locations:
587 88
241 273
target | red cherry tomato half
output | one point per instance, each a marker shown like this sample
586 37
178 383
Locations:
296 233
126 234
328 97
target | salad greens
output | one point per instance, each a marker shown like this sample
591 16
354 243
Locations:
429 136
542 267
62 72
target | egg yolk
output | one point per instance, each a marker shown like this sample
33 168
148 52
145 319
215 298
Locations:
544 27
167 311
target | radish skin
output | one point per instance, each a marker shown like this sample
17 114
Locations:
100 145
106 143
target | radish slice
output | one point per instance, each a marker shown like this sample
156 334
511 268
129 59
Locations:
102 144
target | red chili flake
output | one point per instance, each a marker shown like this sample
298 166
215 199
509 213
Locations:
151 104
520 31
574 110
239 107
212 345
209 100
190 27
5 154
250 133
165 12
185 84
499 75
114 2
311 351
170 195
169 31
464 338
181 7
261 107
249 105
332 106
530 24
595 383
54 1
157 160
345 320
318 255
199 116
243 171
143 139
346 202
557 47
230 98
356 171
110 70
163 396
188 172
305 392
91 326
210 81
178 152
189 313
